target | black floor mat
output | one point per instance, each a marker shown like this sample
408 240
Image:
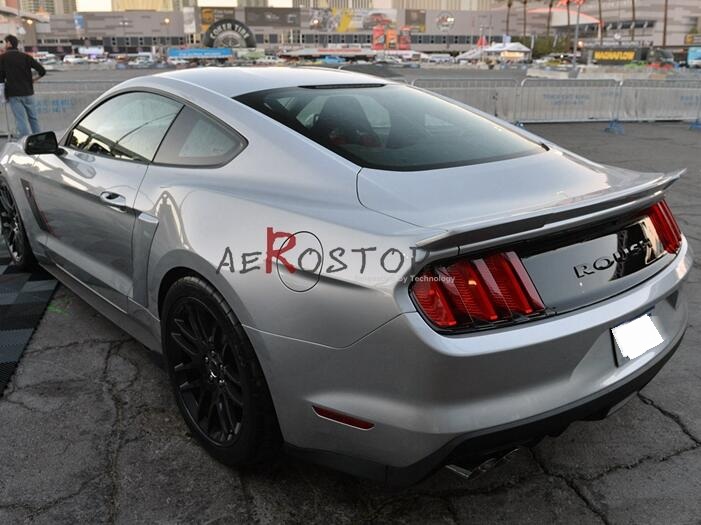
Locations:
23 299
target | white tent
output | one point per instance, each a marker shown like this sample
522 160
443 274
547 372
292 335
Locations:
513 51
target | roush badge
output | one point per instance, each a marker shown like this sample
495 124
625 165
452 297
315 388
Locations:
607 261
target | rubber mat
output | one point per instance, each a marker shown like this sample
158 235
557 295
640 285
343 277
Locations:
23 299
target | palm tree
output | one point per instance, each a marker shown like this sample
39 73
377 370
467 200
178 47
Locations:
525 4
664 28
550 17
509 3
632 27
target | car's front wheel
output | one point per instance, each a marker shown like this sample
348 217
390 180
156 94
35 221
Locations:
216 377
13 232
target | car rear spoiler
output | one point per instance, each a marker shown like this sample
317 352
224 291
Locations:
509 228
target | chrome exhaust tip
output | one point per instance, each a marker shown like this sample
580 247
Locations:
484 467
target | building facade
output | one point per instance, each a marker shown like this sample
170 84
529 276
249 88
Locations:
617 16
312 23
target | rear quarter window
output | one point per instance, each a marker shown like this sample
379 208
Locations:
195 139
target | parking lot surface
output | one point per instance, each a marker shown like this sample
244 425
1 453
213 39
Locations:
89 432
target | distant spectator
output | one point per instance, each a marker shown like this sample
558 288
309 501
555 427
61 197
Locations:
16 72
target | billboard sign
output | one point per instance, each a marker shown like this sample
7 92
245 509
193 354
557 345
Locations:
351 20
209 15
273 17
229 33
79 22
416 20
189 22
378 38
613 56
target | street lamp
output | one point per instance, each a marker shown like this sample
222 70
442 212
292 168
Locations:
166 22
124 23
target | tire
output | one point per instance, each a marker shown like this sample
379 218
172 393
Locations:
217 380
13 232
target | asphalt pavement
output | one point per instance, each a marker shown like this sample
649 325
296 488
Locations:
89 432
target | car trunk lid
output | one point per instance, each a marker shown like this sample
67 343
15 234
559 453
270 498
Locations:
581 229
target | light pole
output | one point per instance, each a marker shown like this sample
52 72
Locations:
575 44
166 22
664 28
124 23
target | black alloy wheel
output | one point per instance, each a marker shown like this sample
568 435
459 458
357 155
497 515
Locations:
13 232
218 384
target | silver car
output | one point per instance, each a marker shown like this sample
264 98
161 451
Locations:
380 279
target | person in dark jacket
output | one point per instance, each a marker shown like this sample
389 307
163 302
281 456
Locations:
16 72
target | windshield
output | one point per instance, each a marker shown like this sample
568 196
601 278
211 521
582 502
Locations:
390 127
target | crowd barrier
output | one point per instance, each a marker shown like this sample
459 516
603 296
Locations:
575 100
528 101
496 96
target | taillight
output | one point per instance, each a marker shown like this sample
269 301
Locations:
473 293
666 226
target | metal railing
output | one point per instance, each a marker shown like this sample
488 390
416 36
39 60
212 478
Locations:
496 96
530 101
576 100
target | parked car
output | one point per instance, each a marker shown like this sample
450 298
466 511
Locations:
382 279
173 61
141 62
74 59
441 58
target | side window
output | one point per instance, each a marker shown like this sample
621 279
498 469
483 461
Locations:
127 127
197 140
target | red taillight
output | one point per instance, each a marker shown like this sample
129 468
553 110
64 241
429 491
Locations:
432 300
666 226
477 292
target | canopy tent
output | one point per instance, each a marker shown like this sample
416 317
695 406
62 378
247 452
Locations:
513 51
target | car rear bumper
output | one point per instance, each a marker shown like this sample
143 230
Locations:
475 447
434 398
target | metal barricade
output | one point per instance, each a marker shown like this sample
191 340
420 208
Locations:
72 86
496 96
651 100
553 100
55 110
58 102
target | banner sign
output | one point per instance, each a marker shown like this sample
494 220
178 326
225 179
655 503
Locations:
614 56
273 17
415 19
229 33
338 20
200 52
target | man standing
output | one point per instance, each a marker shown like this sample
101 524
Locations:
16 72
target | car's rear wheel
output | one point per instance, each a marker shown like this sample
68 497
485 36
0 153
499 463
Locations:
13 232
217 380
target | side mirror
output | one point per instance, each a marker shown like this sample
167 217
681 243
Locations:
42 143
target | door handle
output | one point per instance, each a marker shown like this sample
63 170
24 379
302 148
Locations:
114 200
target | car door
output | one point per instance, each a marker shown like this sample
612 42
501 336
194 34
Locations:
86 195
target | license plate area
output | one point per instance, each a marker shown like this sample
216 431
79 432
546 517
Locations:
634 338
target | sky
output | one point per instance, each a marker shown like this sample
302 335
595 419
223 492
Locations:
94 5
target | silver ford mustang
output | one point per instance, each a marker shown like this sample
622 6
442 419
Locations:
383 280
